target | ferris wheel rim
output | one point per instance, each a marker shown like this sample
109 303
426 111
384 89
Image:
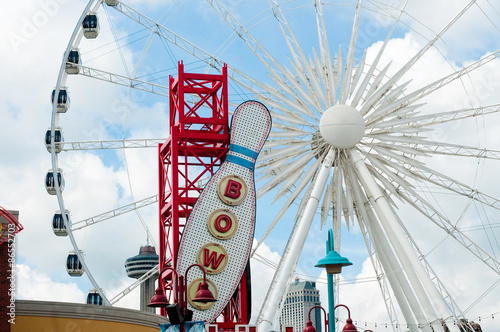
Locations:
74 39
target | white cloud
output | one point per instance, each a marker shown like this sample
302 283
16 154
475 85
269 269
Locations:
262 275
34 285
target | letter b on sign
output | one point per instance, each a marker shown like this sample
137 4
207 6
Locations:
232 190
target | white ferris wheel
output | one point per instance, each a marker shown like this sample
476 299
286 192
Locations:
383 123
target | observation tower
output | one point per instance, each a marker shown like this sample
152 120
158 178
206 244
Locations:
139 265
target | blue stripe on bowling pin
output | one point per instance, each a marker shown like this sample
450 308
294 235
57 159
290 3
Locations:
250 127
232 156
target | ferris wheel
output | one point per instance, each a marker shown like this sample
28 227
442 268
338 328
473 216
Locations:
391 133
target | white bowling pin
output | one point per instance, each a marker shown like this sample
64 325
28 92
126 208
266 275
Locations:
219 232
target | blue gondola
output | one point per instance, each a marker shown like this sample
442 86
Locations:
50 181
94 297
90 26
73 61
58 223
62 100
58 139
73 265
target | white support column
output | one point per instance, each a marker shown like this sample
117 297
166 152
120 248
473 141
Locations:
419 280
403 292
291 254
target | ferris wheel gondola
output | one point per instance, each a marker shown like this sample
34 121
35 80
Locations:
58 225
74 265
90 26
58 139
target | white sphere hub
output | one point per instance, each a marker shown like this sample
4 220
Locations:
342 126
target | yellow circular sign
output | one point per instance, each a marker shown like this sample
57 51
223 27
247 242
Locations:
213 257
222 224
193 287
232 189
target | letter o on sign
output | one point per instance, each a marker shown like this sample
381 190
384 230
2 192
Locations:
222 224
232 189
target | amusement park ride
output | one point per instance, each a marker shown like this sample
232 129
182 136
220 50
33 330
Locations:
348 141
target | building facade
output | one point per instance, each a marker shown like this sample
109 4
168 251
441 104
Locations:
301 296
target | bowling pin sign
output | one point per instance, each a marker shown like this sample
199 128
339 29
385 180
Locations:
219 231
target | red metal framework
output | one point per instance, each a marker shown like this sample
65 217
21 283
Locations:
196 148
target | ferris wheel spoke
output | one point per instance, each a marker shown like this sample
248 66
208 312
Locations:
294 193
359 94
168 35
124 81
404 69
382 100
114 213
278 159
274 153
331 78
137 283
285 168
280 174
242 79
327 203
112 144
348 73
285 114
295 132
312 97
422 92
272 144
300 60
430 212
265 58
446 182
441 148
437 118
391 181
294 187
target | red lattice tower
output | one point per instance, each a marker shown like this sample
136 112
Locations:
197 146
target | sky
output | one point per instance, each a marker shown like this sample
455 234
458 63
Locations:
31 50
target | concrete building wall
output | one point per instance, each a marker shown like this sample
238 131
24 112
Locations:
74 317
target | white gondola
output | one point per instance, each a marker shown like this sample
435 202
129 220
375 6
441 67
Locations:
112 2
62 100
58 223
73 61
73 264
90 26
94 298
50 181
58 139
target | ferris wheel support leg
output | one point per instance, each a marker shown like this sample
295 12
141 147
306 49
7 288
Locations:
414 269
288 261
400 286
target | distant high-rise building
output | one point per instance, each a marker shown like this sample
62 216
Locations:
139 265
301 296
